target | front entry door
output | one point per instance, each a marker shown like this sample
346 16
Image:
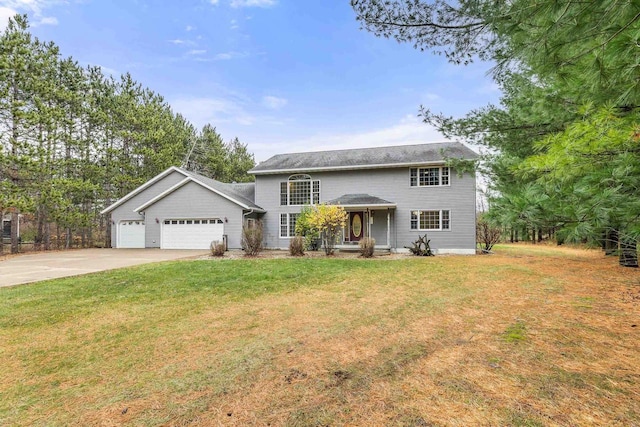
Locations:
356 226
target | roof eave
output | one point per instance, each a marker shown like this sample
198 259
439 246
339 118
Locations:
368 205
349 167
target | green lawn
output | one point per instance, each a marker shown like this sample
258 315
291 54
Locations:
524 337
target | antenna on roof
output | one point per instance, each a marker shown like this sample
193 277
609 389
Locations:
185 162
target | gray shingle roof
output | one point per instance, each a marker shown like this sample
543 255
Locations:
243 192
359 200
363 158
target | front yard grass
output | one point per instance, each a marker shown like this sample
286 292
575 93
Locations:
530 336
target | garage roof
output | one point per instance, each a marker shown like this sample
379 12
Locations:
242 194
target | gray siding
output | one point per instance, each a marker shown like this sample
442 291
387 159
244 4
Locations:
390 184
125 211
193 201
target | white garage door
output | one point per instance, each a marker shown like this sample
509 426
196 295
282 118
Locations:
131 234
191 233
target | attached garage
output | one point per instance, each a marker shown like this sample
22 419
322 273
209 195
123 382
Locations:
179 209
131 234
191 233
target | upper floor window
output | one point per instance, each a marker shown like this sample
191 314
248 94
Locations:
299 190
429 177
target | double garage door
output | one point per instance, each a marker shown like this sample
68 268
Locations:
191 233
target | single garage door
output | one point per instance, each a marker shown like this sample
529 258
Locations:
131 234
191 233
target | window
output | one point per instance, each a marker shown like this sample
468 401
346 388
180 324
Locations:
429 177
430 220
288 225
299 190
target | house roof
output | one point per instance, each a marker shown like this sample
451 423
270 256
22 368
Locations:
365 158
361 200
240 194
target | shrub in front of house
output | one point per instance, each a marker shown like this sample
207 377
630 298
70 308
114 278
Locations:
217 248
296 246
304 228
252 239
367 247
329 221
421 246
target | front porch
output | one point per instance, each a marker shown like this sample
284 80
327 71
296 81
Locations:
368 217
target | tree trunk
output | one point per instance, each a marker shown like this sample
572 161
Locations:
1 231
611 242
37 244
15 243
47 235
628 252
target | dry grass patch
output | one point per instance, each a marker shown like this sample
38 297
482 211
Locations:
529 336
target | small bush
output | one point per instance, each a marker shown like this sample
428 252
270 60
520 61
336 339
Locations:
421 247
367 247
252 239
217 248
486 235
296 246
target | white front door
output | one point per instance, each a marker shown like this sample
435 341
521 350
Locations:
191 233
131 234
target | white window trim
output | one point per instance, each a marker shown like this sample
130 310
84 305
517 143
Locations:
429 186
311 192
288 215
430 229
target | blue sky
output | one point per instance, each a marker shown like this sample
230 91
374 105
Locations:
281 75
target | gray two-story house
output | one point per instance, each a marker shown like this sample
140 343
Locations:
392 194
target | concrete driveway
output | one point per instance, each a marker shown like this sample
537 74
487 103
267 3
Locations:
51 265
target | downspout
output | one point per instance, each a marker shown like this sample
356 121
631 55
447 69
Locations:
244 216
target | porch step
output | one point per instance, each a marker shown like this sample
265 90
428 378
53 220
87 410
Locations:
356 248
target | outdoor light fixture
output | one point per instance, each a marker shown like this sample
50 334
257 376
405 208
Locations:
225 219
157 221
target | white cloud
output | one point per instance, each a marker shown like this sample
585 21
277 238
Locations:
234 24
216 111
214 2
229 55
5 14
189 28
408 130
196 52
488 88
109 70
253 3
46 20
182 42
273 102
35 8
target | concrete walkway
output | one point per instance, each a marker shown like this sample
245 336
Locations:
17 270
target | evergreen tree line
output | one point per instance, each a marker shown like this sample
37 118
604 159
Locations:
73 141
565 137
